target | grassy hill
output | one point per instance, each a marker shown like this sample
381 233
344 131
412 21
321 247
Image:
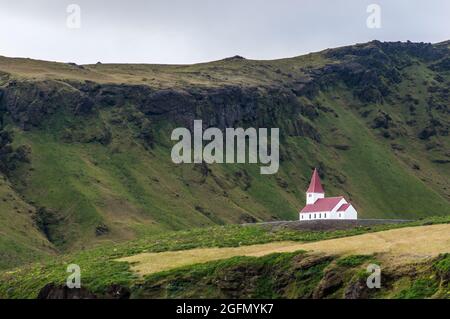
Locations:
249 261
85 150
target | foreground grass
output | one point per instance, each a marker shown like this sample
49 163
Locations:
296 275
426 240
100 268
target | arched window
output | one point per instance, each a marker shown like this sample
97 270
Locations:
309 216
325 215
320 215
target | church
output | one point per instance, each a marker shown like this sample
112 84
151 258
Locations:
320 207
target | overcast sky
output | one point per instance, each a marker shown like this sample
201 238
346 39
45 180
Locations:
189 31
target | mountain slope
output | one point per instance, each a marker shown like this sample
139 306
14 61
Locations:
87 148
20 240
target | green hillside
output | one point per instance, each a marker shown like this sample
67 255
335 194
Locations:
103 267
85 150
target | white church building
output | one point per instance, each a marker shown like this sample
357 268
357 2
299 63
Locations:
320 207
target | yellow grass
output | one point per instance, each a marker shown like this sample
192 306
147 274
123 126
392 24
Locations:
396 246
147 263
216 73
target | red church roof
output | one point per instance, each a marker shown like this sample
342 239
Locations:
343 207
322 205
315 186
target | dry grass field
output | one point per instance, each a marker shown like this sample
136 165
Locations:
394 246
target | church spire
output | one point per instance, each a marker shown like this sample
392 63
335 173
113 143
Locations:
315 186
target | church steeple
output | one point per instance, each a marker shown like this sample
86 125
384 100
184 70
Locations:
315 189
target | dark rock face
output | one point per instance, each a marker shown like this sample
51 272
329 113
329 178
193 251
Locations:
28 103
379 50
118 292
6 150
369 82
10 157
356 290
371 68
239 282
53 291
306 262
331 282
219 107
84 106
182 106
303 128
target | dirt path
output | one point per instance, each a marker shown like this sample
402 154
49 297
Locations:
396 246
